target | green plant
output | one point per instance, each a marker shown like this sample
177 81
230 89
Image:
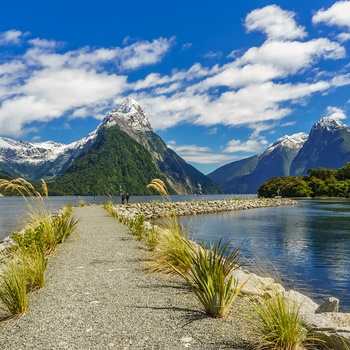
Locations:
81 203
137 226
209 276
13 287
278 324
34 262
30 237
63 227
152 238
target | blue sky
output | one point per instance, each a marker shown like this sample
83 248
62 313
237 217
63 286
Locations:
219 81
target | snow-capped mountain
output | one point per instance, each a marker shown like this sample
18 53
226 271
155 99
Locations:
327 145
49 160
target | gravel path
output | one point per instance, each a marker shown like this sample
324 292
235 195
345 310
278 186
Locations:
99 296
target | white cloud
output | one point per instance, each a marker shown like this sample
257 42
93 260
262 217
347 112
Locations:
291 57
11 37
276 23
249 146
335 112
337 15
342 37
199 154
143 53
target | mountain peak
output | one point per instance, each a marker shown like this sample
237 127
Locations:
129 116
329 123
293 142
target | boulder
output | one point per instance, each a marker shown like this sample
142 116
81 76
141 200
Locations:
331 327
307 305
257 286
329 305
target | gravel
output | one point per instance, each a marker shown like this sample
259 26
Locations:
98 295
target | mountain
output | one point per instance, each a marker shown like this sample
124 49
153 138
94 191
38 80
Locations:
122 151
245 176
327 145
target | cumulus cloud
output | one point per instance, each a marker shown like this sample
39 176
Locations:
337 15
13 37
276 23
335 112
249 146
143 53
199 154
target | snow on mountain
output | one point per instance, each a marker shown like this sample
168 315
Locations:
329 123
293 142
130 117
22 152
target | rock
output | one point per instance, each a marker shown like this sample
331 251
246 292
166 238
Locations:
329 305
331 327
307 305
257 286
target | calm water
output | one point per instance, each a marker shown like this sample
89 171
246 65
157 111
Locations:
308 245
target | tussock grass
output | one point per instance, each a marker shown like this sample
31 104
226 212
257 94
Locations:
278 324
208 271
210 277
23 270
34 262
152 238
13 287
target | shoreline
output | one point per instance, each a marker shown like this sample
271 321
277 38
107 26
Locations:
325 319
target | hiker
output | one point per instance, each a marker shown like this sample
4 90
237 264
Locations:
123 198
127 195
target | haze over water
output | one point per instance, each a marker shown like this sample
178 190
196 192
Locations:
308 245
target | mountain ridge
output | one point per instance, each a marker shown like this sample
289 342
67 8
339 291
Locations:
327 145
52 161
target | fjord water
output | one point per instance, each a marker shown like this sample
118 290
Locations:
307 245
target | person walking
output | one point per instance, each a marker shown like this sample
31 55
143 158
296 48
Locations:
127 195
123 198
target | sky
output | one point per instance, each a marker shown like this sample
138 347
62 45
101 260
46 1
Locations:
219 80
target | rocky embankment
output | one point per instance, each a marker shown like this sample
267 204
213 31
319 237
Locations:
155 210
325 319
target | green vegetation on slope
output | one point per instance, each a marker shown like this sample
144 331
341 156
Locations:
115 162
319 182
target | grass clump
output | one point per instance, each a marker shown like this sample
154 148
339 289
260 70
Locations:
13 287
278 324
137 226
210 277
208 271
152 238
23 269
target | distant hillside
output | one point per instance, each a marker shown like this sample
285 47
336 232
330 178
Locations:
114 162
327 145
